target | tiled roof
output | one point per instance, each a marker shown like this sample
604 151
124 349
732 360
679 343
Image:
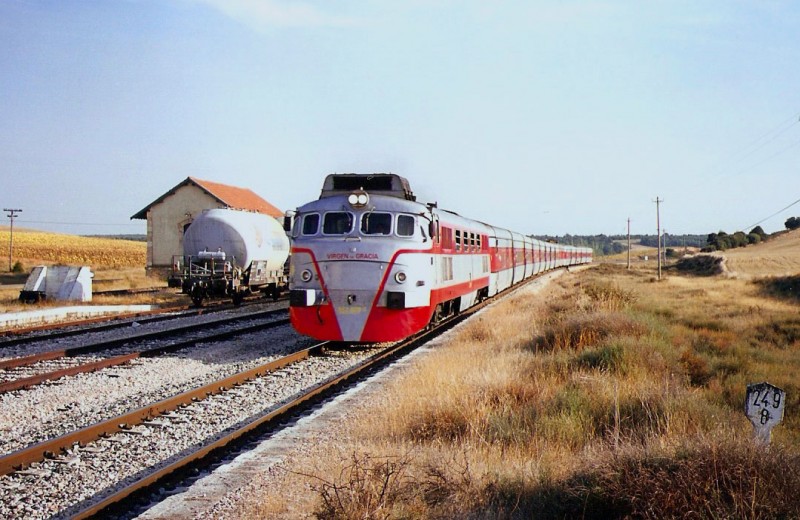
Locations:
232 196
238 198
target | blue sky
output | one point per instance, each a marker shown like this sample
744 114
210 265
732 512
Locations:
546 117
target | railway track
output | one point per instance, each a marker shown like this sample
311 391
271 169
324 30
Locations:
24 372
105 468
22 335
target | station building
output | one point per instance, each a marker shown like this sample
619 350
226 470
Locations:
169 215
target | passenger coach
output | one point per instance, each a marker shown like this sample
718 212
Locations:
369 263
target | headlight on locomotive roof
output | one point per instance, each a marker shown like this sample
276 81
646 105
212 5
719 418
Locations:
400 277
306 275
358 199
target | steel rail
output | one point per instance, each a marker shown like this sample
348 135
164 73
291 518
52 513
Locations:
16 336
47 449
25 457
286 410
18 384
107 344
87 321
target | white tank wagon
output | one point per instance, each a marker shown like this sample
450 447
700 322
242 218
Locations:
232 253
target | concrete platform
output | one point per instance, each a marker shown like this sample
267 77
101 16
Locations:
58 314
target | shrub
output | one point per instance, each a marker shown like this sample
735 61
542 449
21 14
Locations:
700 265
586 330
696 367
785 287
726 480
606 358
607 296
18 267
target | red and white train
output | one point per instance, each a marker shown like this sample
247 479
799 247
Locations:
370 264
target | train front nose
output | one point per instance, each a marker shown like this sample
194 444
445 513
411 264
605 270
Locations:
352 287
340 311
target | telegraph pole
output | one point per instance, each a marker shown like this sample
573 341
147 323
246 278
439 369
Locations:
12 213
629 242
658 232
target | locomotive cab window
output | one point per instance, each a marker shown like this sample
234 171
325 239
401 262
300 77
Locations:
337 223
376 223
405 225
311 224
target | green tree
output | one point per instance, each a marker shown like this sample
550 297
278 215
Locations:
760 232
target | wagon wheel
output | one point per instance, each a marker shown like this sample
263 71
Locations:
238 296
197 294
437 314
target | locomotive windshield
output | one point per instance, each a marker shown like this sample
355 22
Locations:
405 225
371 223
376 223
337 223
311 224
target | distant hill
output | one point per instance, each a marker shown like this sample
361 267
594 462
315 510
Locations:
134 238
614 244
777 256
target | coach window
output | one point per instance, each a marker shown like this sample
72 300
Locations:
405 225
337 223
458 240
376 223
311 224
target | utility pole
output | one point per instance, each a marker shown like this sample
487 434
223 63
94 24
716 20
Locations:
629 242
658 232
12 213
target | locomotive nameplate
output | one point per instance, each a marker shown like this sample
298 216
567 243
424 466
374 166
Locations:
352 256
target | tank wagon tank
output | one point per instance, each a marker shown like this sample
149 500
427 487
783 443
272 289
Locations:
230 253
369 263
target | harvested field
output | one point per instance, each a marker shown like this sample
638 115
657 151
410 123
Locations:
779 256
116 264
42 248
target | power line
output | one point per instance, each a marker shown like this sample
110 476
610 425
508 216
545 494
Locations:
777 131
751 149
776 213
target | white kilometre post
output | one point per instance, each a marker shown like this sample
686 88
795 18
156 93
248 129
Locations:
764 405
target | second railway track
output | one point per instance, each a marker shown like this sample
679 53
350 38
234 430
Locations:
26 371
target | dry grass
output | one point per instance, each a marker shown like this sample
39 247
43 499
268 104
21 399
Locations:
607 395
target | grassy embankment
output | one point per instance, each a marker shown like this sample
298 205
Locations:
116 264
607 395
